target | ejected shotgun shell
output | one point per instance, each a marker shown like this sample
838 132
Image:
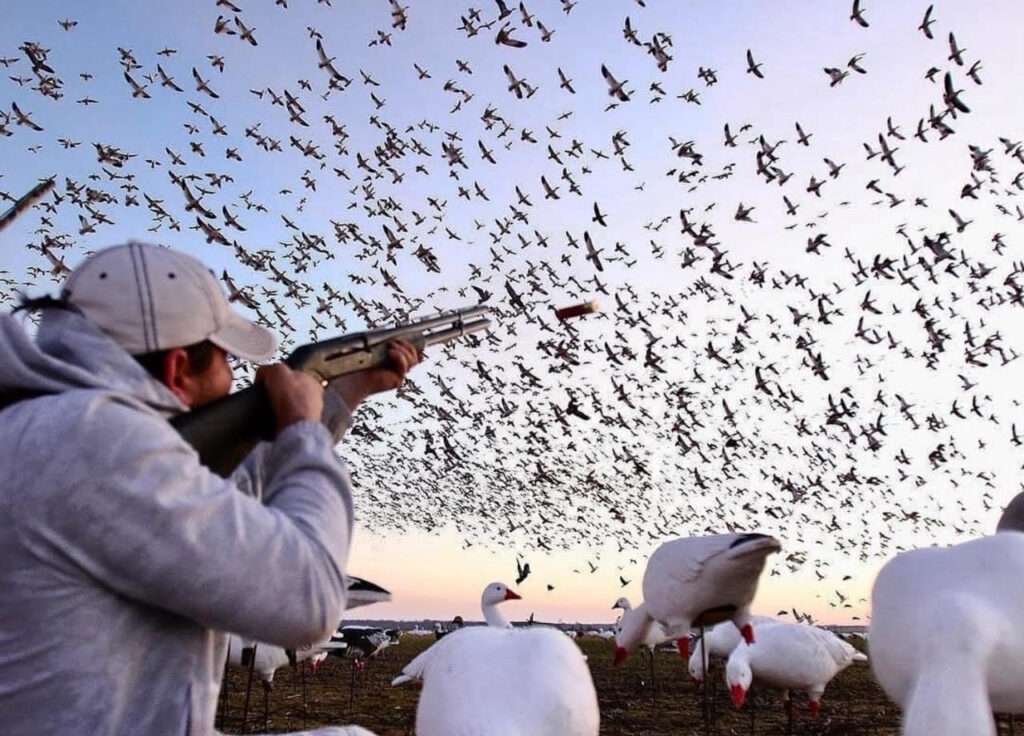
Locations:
577 310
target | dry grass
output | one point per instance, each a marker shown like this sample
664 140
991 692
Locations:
853 705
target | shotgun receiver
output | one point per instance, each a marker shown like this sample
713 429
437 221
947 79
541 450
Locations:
225 431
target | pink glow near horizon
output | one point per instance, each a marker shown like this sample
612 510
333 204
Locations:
434 577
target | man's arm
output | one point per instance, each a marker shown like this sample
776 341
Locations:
250 475
152 524
340 401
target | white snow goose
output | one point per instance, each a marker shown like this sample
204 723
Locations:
946 641
789 657
700 581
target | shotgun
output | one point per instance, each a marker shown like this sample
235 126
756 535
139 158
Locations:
225 431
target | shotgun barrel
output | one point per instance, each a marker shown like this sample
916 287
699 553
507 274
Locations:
225 431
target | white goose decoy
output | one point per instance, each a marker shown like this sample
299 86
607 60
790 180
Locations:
654 634
945 640
269 658
484 681
498 681
719 641
1012 519
493 595
790 657
700 580
622 604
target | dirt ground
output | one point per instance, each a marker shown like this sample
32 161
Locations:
337 694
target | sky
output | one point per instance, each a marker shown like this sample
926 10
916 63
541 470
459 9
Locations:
435 557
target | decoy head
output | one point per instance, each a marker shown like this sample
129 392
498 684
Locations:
745 544
695 666
630 632
734 560
738 676
497 593
738 695
746 551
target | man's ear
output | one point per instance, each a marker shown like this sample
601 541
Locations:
177 375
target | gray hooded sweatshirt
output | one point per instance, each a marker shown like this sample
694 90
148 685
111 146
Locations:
122 558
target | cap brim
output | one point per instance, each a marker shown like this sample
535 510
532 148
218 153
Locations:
245 339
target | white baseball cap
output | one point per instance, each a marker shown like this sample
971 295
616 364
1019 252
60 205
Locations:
149 298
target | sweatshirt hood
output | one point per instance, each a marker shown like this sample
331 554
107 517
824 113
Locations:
69 352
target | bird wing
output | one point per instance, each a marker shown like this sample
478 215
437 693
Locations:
421 665
841 652
679 563
611 80
324 59
953 95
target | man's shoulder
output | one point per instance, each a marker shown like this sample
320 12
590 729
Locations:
76 438
84 399
82 410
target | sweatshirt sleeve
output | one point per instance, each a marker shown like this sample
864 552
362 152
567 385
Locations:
250 477
145 518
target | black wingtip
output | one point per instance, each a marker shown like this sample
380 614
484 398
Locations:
745 538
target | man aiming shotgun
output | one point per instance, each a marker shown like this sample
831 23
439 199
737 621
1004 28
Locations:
224 431
123 557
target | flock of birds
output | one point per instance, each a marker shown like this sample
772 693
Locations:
722 387
636 423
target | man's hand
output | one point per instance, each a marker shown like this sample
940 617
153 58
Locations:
354 387
294 396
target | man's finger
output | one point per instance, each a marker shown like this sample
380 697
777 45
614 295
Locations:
407 361
410 358
406 354
401 347
399 361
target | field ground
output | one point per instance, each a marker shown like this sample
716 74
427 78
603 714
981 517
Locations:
336 694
